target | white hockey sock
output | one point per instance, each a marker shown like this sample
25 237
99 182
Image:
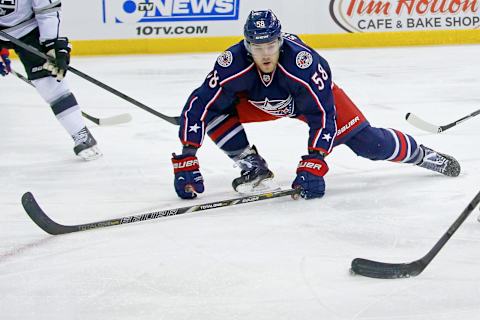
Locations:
72 120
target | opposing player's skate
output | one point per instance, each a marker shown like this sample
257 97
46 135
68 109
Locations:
439 162
255 176
86 145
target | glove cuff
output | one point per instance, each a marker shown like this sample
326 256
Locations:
313 165
184 163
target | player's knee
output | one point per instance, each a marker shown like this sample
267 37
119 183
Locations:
51 90
372 143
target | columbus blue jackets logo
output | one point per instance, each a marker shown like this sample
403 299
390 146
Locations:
277 108
304 59
225 59
7 7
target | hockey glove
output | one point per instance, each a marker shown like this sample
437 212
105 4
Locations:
188 179
4 62
59 49
310 172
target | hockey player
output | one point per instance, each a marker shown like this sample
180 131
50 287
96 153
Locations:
270 75
37 23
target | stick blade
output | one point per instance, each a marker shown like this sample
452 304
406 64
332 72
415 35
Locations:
419 123
382 270
40 218
119 119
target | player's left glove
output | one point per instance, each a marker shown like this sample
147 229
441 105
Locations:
188 179
310 172
4 62
59 49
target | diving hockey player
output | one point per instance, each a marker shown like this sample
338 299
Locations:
270 75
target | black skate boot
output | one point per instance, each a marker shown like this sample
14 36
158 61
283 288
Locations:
439 162
86 145
255 175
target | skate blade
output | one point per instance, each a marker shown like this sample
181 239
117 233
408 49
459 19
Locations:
265 185
90 154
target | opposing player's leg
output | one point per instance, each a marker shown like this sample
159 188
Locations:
229 135
392 145
61 100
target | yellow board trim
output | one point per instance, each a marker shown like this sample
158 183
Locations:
218 44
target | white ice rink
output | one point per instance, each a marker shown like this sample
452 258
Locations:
276 259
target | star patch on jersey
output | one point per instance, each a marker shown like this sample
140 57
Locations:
7 7
225 59
327 137
194 128
304 59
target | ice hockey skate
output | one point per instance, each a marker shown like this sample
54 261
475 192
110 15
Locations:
439 162
86 145
255 176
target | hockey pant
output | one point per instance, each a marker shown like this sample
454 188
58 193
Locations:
353 130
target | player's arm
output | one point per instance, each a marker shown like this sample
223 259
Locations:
319 112
204 104
47 14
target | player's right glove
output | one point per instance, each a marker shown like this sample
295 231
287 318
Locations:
310 172
188 179
59 49
4 62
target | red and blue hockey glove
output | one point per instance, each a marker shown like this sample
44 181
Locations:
4 62
310 172
59 49
188 179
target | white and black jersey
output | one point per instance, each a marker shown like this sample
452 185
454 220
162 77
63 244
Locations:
19 17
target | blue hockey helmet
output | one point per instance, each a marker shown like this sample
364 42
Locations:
261 27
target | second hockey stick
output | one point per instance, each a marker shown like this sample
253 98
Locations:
108 121
48 225
38 53
418 122
383 270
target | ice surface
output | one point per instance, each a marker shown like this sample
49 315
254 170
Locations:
277 259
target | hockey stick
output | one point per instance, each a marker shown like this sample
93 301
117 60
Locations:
426 126
35 51
383 270
118 119
48 225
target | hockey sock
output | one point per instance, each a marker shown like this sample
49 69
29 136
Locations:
385 144
228 134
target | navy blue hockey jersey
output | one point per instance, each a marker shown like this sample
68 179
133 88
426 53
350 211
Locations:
300 87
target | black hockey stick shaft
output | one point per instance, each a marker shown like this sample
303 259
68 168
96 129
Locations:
382 270
48 225
471 115
84 114
35 51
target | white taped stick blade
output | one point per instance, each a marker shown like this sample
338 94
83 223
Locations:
422 124
110 121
